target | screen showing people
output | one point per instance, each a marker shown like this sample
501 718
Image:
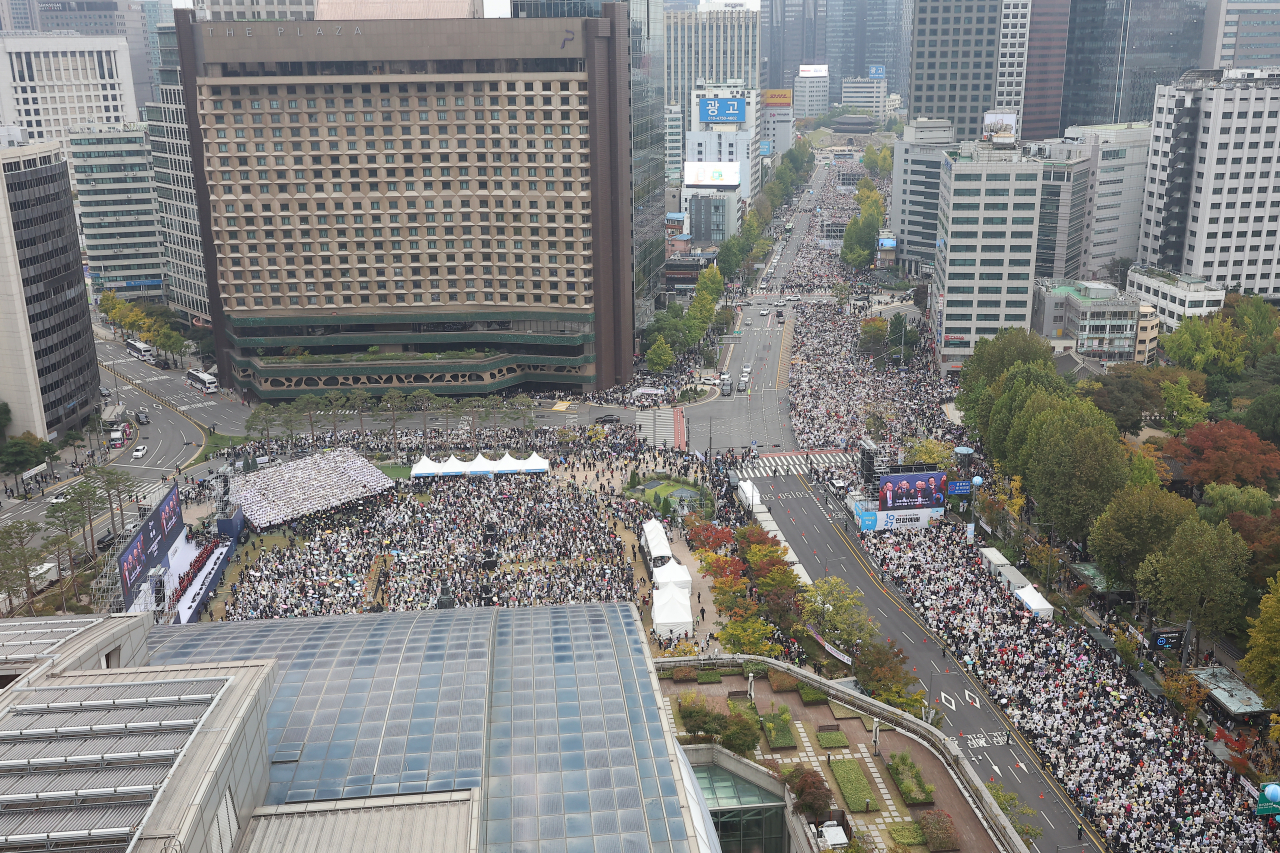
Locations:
913 491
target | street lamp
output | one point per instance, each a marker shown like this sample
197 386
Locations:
973 493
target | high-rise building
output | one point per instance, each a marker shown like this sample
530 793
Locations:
65 80
1119 51
185 285
1004 216
287 10
1241 34
1050 24
717 42
1209 206
673 116
811 91
725 129
133 19
50 377
116 191
452 192
913 209
867 93
777 122
648 137
954 63
886 41
794 34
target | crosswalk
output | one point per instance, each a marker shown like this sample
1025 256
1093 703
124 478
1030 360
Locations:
792 463
658 426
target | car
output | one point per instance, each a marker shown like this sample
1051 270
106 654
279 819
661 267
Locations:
104 390
164 365
764 312
140 451
793 298
60 498
780 304
143 419
747 322
608 419
746 368
742 385
106 540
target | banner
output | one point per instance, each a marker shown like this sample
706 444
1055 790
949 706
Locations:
776 98
831 650
906 518
913 491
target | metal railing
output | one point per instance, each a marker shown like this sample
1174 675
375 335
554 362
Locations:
948 752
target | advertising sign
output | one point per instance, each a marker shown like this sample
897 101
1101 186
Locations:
960 487
776 98
886 242
813 71
905 518
766 147
722 110
717 175
150 544
913 491
875 72
999 123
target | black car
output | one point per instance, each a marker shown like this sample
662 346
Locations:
104 390
143 419
106 540
608 419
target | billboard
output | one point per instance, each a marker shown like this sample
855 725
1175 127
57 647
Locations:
922 490
776 98
886 243
868 520
721 110
150 544
875 72
813 71
999 123
717 175
766 147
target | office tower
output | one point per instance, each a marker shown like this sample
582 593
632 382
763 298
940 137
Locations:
1241 34
913 210
133 19
795 34
1211 178
1176 296
725 129
648 137
50 380
1119 51
1050 24
673 116
1029 212
450 192
22 15
185 285
885 41
715 43
867 93
116 190
777 122
954 62
65 81
811 91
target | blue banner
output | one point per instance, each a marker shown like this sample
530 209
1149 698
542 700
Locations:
961 487
721 110
766 147
875 72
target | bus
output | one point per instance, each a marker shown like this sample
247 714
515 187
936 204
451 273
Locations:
142 350
202 381
790 225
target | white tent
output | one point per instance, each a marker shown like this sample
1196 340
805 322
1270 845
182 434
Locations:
426 467
453 467
481 466
1035 602
506 465
672 613
673 574
535 464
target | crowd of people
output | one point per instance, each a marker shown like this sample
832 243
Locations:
305 486
1145 777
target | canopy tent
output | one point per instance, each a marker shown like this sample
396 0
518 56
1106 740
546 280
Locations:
481 466
535 464
673 574
453 467
506 465
1035 602
672 613
425 467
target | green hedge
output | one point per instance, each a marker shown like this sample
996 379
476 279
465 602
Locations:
910 781
777 730
811 695
708 677
851 777
841 712
832 740
908 834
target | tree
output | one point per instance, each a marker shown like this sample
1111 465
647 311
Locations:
334 402
66 519
288 416
114 484
740 734
932 451
261 420
394 403
1262 662
659 355
1199 575
1257 321
1263 415
1138 522
20 454
1118 270
423 401
19 556
809 788
902 335
1225 452
993 356
1128 399
873 332
360 400
748 637
74 439
1213 345
6 418
1221 501
836 612
308 405
87 495
882 669
842 291
1183 408
1015 810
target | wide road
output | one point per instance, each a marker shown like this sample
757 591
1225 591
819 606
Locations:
815 526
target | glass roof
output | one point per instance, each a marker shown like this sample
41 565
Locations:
723 789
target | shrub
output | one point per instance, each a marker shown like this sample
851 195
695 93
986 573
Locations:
709 677
811 695
810 789
684 673
854 787
781 682
909 779
841 712
939 831
698 718
906 833
832 740
740 734
777 729
754 667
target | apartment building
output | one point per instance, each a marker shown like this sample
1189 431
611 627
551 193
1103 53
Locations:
1175 296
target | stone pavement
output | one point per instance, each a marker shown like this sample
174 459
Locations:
947 797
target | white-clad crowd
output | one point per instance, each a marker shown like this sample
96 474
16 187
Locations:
312 484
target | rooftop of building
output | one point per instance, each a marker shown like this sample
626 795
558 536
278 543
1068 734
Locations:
986 152
1230 691
1184 281
1087 292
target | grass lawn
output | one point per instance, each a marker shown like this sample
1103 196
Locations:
851 778
218 441
396 472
